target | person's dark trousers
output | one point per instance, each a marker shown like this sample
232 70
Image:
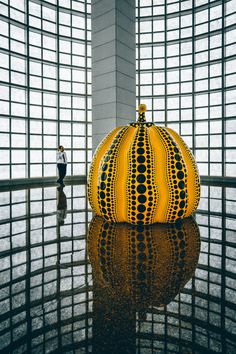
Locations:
62 171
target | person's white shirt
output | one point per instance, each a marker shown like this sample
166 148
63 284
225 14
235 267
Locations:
61 157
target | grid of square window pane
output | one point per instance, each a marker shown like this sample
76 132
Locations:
186 75
45 86
46 288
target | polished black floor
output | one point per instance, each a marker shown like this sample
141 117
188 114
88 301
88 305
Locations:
69 285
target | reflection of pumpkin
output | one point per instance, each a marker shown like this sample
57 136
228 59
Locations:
142 174
145 264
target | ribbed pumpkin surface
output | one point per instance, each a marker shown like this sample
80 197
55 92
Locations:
143 174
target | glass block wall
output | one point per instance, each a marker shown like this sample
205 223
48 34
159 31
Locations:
45 86
186 75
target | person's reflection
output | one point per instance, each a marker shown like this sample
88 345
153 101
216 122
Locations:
135 267
61 206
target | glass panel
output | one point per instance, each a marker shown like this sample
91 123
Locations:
40 112
193 90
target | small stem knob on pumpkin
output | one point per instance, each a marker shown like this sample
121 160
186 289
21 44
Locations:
142 109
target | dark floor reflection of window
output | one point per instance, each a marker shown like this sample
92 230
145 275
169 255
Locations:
45 288
46 285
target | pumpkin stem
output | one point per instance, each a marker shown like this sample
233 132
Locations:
142 109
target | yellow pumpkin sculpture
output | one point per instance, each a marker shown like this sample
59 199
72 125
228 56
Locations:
143 174
142 265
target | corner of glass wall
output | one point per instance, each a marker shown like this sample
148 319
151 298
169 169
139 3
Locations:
45 86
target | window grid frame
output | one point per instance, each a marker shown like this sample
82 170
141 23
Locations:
27 88
212 165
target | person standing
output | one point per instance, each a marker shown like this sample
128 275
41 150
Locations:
61 164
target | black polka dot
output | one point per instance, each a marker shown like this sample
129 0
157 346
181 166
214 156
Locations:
140 151
142 198
141 208
180 175
140 143
141 188
102 195
181 184
103 186
178 165
182 194
140 216
103 176
141 178
141 159
141 168
177 157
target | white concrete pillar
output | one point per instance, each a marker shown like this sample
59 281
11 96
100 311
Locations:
113 65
